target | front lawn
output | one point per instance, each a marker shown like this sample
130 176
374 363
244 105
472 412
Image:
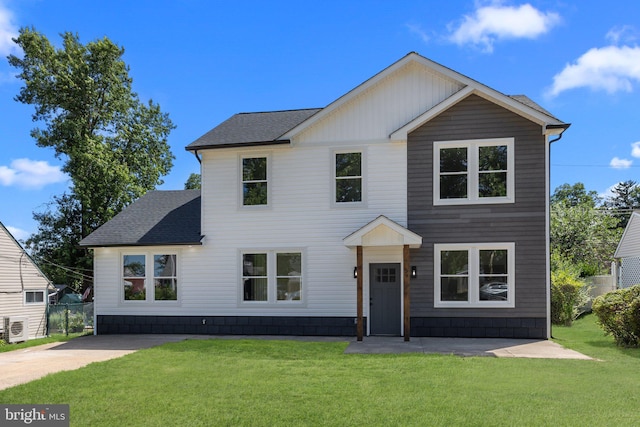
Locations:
266 383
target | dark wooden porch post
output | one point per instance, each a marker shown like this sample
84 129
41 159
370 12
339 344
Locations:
360 321
406 259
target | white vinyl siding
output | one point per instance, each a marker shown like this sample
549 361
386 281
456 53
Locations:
385 107
300 216
629 245
20 277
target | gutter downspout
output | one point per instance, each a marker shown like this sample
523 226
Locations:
548 223
195 153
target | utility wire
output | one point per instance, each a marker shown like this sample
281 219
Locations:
593 166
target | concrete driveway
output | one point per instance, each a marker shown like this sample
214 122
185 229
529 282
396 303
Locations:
22 366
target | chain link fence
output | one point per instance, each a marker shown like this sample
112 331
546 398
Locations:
66 318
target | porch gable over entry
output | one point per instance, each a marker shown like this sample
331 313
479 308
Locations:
384 232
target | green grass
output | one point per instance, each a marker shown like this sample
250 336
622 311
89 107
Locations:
267 383
4 347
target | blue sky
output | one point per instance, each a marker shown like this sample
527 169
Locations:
204 60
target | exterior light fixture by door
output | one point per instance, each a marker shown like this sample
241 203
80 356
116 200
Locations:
414 272
355 272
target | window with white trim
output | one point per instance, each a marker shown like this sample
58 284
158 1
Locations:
272 277
473 171
165 279
474 275
255 186
34 297
162 271
348 177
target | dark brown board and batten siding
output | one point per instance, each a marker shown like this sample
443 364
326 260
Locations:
522 222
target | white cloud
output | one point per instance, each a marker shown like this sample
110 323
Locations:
497 22
608 193
417 30
618 163
30 174
8 30
18 233
611 68
635 149
624 33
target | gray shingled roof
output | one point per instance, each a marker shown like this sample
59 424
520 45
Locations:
265 128
523 99
157 218
245 129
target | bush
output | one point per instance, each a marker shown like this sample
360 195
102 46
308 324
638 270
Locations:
619 315
58 321
568 295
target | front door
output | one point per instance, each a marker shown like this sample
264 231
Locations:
384 299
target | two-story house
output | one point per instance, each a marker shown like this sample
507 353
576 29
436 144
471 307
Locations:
415 205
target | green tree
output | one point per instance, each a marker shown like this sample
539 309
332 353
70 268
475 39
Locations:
575 195
56 243
583 235
193 182
625 198
113 145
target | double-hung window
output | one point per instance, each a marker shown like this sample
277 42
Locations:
255 280
348 177
255 181
272 277
165 279
134 277
474 275
473 171
160 269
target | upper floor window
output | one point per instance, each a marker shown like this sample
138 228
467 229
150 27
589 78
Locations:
254 181
473 171
474 275
348 186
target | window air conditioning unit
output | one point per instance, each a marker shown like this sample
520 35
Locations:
16 329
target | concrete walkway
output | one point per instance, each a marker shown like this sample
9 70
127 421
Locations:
492 347
22 366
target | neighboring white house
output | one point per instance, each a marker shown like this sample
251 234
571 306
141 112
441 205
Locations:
24 291
414 205
629 253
